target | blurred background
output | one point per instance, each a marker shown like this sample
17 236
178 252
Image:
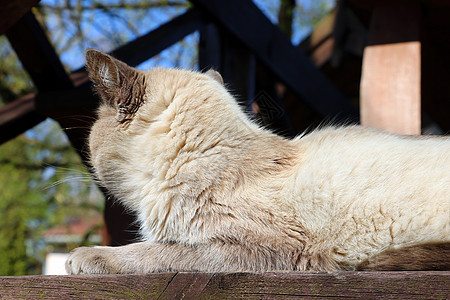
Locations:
48 203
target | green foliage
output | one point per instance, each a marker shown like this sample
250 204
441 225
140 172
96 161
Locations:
43 182
35 196
18 204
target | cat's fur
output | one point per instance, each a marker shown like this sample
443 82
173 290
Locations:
216 193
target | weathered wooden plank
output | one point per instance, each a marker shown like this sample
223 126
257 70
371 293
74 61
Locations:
85 287
186 286
390 82
348 285
251 27
12 10
358 285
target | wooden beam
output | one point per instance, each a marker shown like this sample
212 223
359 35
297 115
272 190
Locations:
238 69
37 55
247 23
436 66
28 111
354 285
17 117
390 83
210 48
63 104
12 10
155 41
223 52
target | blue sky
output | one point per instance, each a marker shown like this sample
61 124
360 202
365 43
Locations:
98 25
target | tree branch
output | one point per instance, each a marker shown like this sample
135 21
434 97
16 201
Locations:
95 6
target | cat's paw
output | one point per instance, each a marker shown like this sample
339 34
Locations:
90 260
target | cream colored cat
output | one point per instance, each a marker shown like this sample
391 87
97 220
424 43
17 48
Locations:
216 193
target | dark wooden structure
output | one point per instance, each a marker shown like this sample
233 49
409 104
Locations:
387 61
392 58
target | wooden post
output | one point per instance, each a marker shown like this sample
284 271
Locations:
390 82
238 69
210 48
227 55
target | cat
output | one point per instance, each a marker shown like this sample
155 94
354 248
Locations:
215 192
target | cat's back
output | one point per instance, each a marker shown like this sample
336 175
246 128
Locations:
360 190
356 161
344 151
364 174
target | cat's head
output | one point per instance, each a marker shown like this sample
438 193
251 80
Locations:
126 89
140 105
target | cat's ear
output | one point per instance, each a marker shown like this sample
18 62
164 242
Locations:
215 75
119 85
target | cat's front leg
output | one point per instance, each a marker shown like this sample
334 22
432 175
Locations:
147 257
143 257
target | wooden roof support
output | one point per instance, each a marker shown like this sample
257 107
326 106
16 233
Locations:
44 67
390 83
159 39
245 21
219 51
12 10
17 117
46 71
238 66
37 54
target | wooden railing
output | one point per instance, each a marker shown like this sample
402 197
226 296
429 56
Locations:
347 285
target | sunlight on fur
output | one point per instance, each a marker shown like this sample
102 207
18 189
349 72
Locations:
215 192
